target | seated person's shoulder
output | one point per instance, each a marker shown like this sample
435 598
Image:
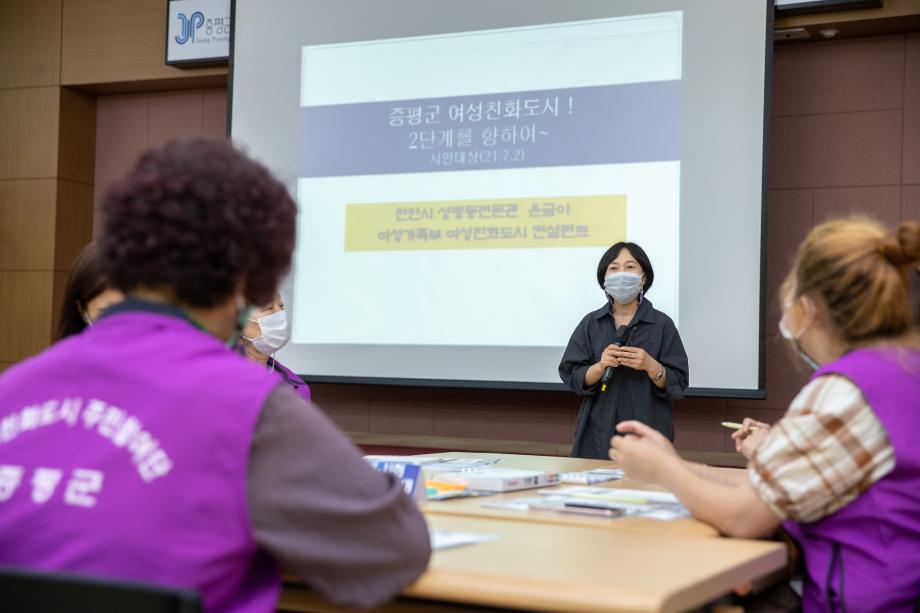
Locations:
828 394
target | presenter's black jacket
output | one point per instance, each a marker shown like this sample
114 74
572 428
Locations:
630 393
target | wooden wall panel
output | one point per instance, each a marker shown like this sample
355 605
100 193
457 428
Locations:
910 202
113 41
347 405
505 414
77 136
30 51
836 149
214 113
911 168
862 74
407 410
26 313
790 215
59 284
30 43
29 125
173 116
693 421
884 202
27 210
891 18
128 124
121 134
47 132
73 227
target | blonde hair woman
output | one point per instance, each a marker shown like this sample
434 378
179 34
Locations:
841 469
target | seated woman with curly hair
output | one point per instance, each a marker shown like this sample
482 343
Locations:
147 449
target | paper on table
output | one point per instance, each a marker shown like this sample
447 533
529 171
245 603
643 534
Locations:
555 504
516 504
402 459
590 477
613 493
445 539
635 503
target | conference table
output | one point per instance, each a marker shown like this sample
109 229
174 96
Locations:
540 561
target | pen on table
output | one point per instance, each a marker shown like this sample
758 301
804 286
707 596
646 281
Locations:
575 507
733 425
608 498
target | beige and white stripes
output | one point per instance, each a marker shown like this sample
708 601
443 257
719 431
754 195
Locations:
827 449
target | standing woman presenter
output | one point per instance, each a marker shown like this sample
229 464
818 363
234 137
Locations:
640 346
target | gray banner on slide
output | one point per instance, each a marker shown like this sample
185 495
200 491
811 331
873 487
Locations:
606 124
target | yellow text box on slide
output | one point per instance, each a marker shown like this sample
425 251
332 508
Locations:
495 223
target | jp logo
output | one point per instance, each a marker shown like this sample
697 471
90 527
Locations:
188 26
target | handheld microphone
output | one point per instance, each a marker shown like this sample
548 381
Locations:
619 340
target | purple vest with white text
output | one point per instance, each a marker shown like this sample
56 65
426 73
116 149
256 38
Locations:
866 556
124 454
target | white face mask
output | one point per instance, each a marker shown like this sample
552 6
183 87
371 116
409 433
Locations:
274 333
785 332
623 287
794 339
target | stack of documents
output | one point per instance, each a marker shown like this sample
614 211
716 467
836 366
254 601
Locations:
499 479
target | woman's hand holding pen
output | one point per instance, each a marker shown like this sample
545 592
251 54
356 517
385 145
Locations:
749 436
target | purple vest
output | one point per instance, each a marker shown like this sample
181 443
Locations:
124 454
292 379
866 556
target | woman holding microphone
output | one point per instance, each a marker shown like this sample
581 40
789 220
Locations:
626 359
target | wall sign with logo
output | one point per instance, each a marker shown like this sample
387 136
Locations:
198 31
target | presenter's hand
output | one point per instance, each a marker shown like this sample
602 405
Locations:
637 358
608 358
749 437
641 451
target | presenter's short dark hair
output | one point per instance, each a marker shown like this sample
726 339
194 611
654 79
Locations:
195 217
637 252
